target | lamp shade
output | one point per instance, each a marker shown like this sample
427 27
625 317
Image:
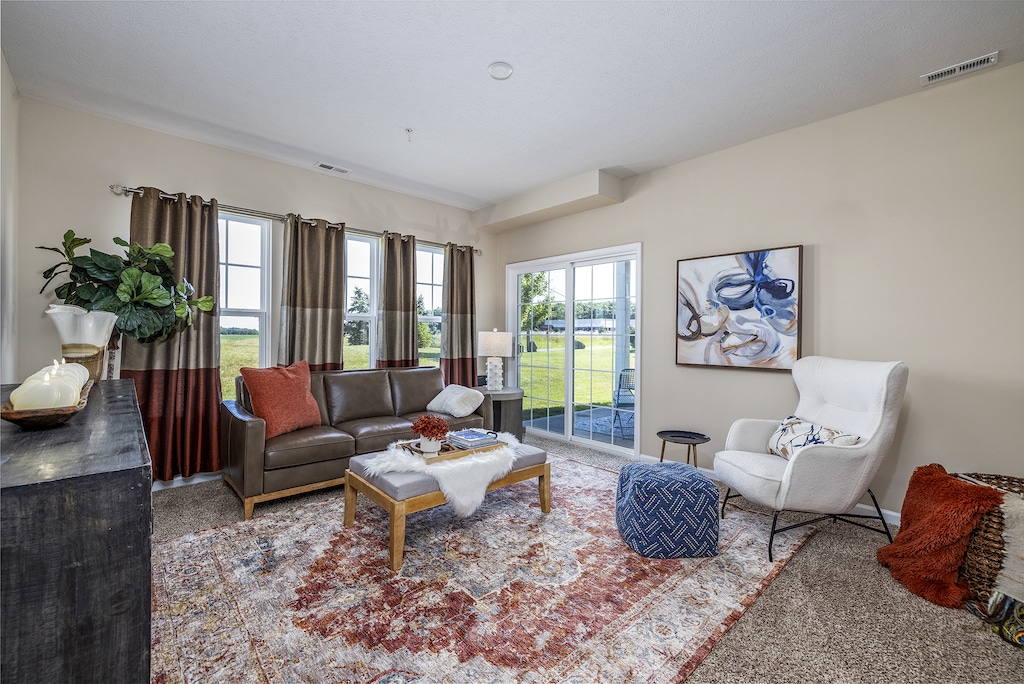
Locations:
494 343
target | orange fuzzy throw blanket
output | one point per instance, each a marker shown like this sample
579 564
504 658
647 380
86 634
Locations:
939 513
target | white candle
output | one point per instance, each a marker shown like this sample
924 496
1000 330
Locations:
45 392
74 373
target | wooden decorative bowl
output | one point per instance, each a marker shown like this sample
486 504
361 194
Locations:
33 419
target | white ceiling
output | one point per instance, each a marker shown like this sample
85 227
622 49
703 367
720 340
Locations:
621 86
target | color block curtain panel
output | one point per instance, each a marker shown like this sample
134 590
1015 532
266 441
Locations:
178 380
458 320
313 300
396 320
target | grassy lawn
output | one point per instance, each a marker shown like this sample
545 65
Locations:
236 351
244 350
542 374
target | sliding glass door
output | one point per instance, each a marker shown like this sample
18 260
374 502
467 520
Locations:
576 323
604 352
540 312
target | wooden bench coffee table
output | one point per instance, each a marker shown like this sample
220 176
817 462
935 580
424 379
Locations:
402 493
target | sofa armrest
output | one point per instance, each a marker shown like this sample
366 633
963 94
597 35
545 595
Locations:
243 438
485 409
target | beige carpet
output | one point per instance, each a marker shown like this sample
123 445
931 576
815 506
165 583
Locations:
832 615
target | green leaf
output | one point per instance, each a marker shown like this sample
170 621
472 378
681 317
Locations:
90 292
93 271
205 303
107 262
130 279
71 243
152 291
183 311
185 288
121 242
161 249
52 273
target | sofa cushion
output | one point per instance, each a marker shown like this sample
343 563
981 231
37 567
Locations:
376 433
413 388
352 395
308 445
796 434
281 397
456 400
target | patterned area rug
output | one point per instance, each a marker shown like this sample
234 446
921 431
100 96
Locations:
506 595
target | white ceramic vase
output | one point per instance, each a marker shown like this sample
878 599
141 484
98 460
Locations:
429 446
83 335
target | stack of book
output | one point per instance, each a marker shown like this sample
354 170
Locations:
473 438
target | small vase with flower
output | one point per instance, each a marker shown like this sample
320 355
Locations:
432 431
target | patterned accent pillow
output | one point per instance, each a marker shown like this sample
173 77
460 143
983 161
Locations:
281 396
795 434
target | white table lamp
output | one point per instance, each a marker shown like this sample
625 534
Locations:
494 345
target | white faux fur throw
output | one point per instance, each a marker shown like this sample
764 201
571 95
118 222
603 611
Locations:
463 481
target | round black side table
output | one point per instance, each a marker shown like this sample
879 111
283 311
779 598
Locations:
690 439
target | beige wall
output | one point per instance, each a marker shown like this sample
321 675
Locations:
68 159
911 214
8 221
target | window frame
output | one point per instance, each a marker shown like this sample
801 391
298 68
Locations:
431 319
370 318
630 251
263 313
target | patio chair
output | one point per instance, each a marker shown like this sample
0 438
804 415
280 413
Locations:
624 400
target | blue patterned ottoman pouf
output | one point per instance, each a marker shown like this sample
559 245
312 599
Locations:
667 510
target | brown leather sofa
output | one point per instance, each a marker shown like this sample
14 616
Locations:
361 411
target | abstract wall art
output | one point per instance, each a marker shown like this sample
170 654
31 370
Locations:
740 310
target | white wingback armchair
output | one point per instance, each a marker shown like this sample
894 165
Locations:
861 398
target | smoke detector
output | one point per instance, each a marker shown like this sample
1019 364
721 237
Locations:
340 170
961 69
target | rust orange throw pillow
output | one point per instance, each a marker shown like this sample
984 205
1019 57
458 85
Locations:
939 514
281 397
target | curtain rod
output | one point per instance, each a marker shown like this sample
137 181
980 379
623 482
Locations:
119 189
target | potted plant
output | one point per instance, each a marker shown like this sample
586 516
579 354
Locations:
139 287
432 431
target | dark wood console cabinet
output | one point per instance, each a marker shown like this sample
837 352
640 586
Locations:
76 521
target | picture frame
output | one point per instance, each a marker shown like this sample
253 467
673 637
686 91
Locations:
740 310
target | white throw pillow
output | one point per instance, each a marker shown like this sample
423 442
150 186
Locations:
796 434
456 400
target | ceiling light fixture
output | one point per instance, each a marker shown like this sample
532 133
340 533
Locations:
500 71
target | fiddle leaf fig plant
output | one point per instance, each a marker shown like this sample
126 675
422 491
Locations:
139 287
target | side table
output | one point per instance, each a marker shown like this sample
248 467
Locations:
508 410
690 439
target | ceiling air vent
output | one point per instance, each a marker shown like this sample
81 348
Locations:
340 170
961 69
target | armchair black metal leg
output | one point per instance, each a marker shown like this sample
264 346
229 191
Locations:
885 526
725 498
771 535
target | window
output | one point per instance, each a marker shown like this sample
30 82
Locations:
429 301
360 300
244 296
